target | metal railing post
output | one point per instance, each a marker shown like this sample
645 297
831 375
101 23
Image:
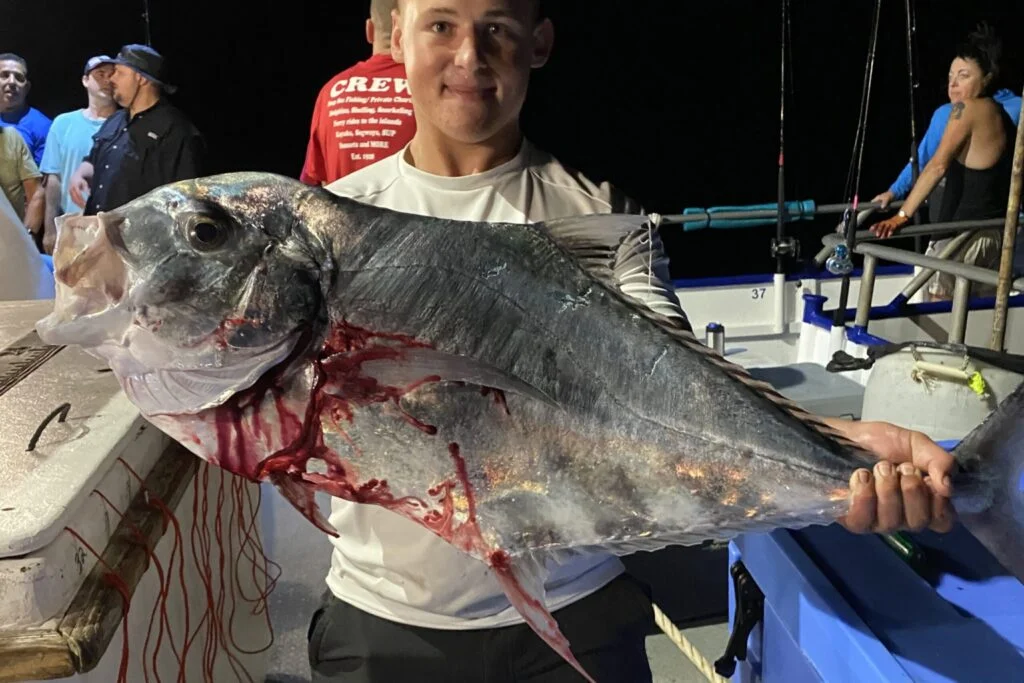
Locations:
1009 242
961 301
921 278
867 291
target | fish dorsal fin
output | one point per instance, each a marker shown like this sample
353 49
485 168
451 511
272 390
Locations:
613 248
595 240
616 250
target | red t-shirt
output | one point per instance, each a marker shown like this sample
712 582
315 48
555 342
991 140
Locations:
361 116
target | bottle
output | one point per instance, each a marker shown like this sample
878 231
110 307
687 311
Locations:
714 337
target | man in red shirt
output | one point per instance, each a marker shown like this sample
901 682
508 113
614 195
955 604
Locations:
364 113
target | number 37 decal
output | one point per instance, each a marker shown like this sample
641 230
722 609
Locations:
757 292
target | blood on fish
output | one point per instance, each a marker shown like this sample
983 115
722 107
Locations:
340 387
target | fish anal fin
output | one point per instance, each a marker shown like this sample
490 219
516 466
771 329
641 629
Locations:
302 495
522 579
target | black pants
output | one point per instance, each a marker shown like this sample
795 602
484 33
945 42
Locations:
606 630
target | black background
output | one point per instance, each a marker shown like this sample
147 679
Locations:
675 102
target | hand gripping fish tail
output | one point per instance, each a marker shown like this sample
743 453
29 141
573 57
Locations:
497 384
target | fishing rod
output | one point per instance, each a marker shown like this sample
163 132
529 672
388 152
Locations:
145 18
841 262
912 85
781 245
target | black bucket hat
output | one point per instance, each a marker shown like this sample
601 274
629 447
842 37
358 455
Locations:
147 62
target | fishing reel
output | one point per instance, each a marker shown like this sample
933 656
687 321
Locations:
787 246
839 263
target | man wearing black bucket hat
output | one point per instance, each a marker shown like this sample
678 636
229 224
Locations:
148 143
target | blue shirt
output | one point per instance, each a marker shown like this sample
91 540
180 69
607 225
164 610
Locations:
67 145
930 143
33 126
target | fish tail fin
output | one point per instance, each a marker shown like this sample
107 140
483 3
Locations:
522 579
992 505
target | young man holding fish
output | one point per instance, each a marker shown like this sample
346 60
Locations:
404 603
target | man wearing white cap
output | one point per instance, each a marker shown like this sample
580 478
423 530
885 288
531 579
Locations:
70 141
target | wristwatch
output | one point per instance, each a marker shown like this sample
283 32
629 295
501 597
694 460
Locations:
902 214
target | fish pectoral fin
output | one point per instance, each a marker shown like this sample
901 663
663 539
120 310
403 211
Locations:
417 364
522 579
302 495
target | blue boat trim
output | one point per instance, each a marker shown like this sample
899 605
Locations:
815 313
859 334
760 278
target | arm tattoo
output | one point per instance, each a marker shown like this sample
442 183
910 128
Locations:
958 110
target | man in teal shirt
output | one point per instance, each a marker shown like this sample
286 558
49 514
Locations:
70 140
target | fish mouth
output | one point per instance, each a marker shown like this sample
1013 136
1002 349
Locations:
95 308
92 281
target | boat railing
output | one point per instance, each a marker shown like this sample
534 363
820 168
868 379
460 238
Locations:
726 217
829 242
964 274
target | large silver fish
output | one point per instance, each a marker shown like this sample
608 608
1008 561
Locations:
491 382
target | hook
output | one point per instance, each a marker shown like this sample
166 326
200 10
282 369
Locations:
61 410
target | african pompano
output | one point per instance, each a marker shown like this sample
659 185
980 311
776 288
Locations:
492 382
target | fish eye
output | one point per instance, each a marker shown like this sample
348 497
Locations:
205 234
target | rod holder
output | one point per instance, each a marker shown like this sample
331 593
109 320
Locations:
867 292
961 299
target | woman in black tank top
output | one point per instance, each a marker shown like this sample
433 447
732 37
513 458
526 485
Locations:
979 193
976 124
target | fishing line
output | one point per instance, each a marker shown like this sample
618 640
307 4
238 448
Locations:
214 640
246 538
653 223
161 601
179 544
111 576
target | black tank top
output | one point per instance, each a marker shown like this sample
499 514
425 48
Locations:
975 194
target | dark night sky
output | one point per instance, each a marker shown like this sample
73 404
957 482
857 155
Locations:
249 71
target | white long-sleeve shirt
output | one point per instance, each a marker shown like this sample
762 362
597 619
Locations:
388 565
